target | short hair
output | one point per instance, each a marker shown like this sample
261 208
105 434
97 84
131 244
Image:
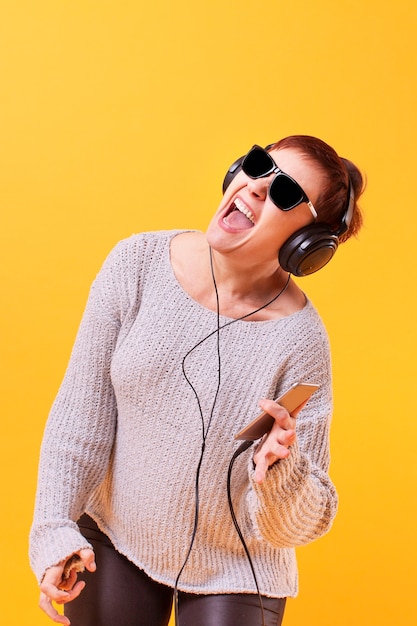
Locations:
339 173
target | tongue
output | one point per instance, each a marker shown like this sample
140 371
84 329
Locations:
236 219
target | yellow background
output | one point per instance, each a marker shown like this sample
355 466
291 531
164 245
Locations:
121 116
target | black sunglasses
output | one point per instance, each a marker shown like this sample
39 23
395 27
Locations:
284 191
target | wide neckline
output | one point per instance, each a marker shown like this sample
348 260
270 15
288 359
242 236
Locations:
226 319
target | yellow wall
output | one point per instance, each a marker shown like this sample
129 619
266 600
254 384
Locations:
119 116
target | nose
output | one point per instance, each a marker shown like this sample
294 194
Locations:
259 186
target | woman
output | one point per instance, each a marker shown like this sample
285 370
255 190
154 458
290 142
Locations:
184 336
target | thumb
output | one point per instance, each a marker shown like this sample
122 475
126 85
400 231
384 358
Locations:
88 559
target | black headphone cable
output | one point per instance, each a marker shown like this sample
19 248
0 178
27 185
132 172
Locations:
243 446
205 429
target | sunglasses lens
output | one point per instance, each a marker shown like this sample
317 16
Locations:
257 163
285 193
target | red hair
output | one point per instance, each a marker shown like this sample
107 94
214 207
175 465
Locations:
339 173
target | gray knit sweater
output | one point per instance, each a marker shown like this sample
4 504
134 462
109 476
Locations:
124 435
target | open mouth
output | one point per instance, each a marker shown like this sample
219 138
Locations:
239 216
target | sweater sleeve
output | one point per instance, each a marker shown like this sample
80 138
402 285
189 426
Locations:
80 430
297 502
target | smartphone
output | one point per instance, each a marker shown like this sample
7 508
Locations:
296 395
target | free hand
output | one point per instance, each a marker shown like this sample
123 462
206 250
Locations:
275 445
55 588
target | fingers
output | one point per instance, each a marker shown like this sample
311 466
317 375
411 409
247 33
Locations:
261 468
276 444
47 607
280 415
271 450
88 559
56 588
50 593
60 597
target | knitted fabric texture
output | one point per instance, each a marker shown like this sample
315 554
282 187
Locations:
124 435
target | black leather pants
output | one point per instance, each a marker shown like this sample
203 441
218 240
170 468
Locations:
120 594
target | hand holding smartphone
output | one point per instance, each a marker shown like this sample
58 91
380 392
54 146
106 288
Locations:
292 399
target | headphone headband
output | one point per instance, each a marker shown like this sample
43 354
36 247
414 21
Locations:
348 214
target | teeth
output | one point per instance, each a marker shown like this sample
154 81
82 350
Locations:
242 208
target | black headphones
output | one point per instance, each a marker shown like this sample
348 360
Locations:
310 248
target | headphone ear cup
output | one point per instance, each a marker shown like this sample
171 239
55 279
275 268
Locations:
308 250
231 172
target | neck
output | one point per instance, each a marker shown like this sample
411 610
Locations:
240 287
249 282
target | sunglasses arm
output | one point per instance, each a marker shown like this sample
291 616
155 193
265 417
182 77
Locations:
312 209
